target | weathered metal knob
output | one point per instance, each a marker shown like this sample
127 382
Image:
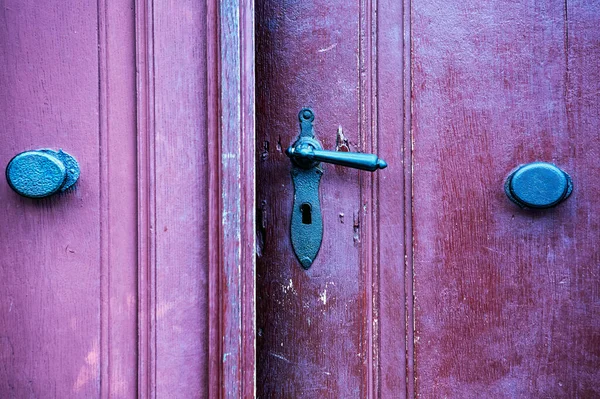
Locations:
538 185
41 173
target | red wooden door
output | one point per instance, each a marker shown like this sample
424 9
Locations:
336 330
429 281
129 285
506 300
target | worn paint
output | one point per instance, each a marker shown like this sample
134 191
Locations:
335 337
506 299
118 289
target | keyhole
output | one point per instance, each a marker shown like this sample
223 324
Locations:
305 208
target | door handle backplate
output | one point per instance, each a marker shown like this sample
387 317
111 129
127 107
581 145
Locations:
306 155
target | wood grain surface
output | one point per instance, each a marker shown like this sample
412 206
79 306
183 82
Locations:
336 330
506 300
67 263
231 198
173 170
130 285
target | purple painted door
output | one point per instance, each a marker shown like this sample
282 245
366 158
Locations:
129 285
430 283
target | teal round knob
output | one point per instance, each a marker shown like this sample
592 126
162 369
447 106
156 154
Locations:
41 173
538 185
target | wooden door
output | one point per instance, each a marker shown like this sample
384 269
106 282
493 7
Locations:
129 285
506 300
430 283
336 330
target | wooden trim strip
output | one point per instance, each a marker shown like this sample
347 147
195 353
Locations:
146 199
369 183
230 65
408 200
214 204
104 203
391 199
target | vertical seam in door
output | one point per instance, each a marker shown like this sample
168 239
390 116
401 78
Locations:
375 177
104 204
408 200
146 202
368 189
363 252
567 77
214 205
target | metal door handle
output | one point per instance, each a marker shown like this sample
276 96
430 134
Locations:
306 154
42 173
538 185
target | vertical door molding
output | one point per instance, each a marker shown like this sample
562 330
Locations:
230 66
386 235
369 194
146 198
220 93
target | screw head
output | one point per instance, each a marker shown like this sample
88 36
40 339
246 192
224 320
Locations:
306 115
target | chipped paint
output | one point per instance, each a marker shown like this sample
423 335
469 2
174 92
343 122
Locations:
323 296
289 287
87 372
323 50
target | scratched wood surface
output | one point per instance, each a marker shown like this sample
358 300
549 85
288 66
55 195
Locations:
506 300
231 198
129 285
336 330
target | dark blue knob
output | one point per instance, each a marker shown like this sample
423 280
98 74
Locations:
41 173
538 185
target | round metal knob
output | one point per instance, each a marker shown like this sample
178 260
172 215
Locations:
41 173
538 185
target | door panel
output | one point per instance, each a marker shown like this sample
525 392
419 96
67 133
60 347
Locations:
57 254
321 332
311 324
179 197
454 95
129 284
506 300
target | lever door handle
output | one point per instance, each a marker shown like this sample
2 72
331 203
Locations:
303 153
306 155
